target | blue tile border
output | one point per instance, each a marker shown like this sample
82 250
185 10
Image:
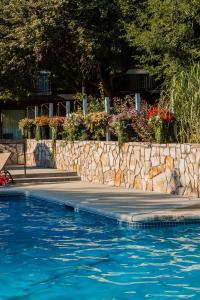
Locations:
160 224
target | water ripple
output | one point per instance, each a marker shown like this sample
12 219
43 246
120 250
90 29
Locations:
48 252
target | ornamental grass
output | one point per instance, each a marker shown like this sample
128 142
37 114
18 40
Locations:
183 96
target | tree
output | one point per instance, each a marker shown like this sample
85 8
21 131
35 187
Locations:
77 41
30 35
165 33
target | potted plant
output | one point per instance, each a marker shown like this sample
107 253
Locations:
42 128
56 124
27 127
161 119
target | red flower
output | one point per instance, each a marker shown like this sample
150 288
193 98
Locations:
161 114
56 121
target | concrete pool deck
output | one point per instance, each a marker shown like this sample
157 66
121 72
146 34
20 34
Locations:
123 204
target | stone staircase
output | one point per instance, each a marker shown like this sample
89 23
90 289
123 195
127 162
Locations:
43 176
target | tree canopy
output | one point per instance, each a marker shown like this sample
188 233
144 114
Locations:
82 41
75 40
165 33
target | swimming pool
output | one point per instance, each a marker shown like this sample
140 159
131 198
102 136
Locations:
50 252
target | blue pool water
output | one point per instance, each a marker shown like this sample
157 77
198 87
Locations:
49 252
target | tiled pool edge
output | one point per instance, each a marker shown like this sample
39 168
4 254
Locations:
123 219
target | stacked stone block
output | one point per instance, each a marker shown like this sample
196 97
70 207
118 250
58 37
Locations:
167 168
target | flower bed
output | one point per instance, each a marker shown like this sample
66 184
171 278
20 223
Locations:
125 125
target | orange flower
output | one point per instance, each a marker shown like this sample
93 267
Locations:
42 121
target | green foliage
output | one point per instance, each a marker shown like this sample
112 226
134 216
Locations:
97 123
142 128
92 42
165 33
94 104
27 127
74 127
184 97
77 41
23 42
121 127
38 134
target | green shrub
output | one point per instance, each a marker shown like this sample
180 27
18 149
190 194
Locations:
97 124
74 127
184 94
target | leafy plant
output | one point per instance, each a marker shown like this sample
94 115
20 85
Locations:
94 104
157 116
183 96
56 124
161 119
121 127
123 104
140 124
74 127
97 123
27 126
42 128
42 121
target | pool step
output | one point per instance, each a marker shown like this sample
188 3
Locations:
41 180
40 176
44 175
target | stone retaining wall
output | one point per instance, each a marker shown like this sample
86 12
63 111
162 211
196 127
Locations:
168 168
16 148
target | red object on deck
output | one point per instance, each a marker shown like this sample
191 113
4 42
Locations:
4 180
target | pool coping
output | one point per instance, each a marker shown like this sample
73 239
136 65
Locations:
180 214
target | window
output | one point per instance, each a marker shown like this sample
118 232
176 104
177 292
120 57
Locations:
43 83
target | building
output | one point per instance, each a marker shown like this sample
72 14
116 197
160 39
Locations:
46 102
43 102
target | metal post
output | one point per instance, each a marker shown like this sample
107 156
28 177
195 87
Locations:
107 105
50 110
107 110
67 108
36 111
50 116
137 102
27 115
85 105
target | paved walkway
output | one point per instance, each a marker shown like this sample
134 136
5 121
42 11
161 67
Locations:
118 203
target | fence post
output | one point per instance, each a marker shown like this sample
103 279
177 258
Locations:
107 110
137 102
27 114
50 116
107 105
67 108
85 105
36 111
50 110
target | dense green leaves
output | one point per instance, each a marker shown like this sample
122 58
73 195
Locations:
81 41
166 33
75 40
184 92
